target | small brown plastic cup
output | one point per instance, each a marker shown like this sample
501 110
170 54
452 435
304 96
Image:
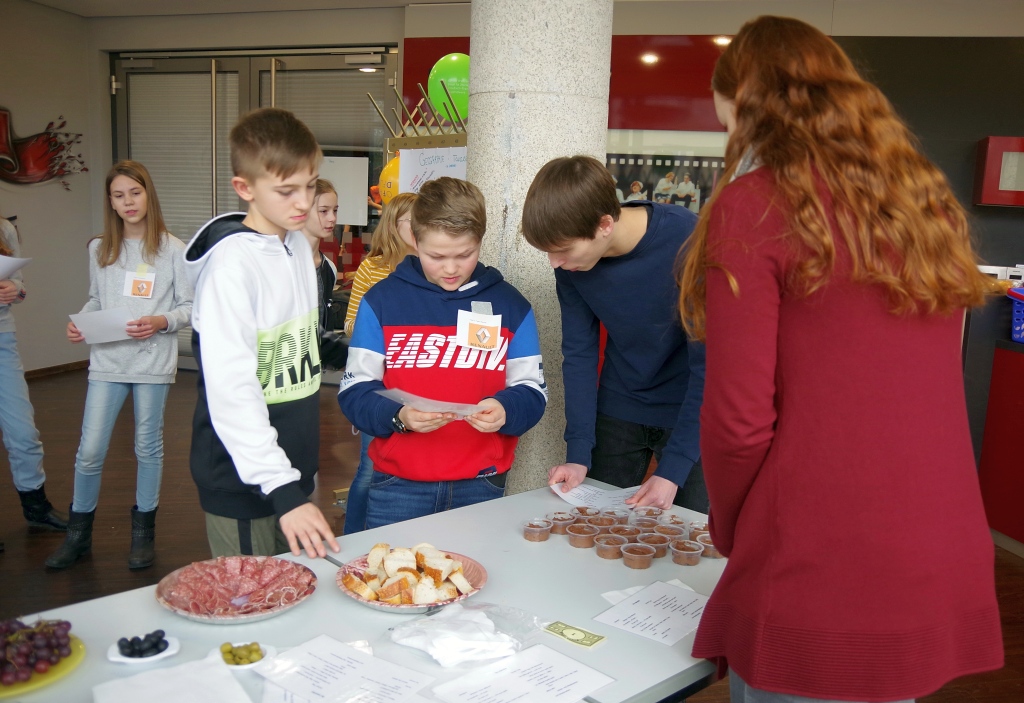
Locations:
560 521
630 532
620 515
673 519
582 512
685 552
646 524
659 542
601 522
648 511
609 546
537 530
581 535
697 529
672 531
710 550
637 556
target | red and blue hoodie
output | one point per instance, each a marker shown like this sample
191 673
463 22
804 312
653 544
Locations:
404 338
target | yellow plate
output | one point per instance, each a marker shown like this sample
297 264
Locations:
57 671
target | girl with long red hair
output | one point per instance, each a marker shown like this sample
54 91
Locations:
828 276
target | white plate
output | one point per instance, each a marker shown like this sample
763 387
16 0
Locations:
215 653
173 645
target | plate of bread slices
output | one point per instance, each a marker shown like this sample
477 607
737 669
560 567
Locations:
410 580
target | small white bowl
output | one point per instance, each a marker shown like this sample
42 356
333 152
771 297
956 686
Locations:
215 653
114 655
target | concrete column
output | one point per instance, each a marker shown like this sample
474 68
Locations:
538 89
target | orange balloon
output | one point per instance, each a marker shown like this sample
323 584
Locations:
389 181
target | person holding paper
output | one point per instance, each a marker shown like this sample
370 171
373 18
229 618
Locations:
392 242
442 326
17 418
136 264
829 275
614 267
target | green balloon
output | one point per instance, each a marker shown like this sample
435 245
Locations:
453 69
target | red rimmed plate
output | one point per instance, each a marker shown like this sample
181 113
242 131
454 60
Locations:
235 590
473 570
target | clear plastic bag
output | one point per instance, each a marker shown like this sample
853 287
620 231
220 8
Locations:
469 632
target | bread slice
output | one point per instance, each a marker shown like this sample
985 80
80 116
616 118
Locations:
394 586
376 556
437 568
356 585
447 591
397 559
392 600
423 550
424 593
459 579
372 580
407 597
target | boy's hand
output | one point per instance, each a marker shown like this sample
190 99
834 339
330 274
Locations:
74 336
656 491
146 327
305 526
416 421
8 292
490 420
569 475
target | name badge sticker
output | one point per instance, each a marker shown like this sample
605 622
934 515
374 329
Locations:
478 331
138 284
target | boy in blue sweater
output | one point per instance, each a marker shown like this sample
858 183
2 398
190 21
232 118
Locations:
614 266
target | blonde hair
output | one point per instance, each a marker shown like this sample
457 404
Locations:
454 206
387 242
112 239
806 115
272 140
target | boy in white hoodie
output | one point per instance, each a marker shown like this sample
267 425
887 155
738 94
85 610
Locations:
255 433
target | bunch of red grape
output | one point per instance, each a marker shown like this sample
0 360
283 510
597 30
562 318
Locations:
31 648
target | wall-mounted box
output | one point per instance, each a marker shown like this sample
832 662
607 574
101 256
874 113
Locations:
999 172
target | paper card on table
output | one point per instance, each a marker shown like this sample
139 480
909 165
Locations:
660 612
103 325
594 497
203 681
10 264
272 693
428 405
538 674
325 669
615 597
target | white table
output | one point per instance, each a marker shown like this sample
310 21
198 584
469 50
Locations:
550 579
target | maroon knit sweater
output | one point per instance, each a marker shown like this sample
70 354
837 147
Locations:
843 488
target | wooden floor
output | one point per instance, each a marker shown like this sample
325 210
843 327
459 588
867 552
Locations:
26 586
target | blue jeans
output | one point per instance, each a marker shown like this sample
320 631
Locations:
741 692
394 499
17 420
102 404
358 492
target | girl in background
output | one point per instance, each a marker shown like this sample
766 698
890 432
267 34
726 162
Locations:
136 264
392 242
17 420
320 228
829 276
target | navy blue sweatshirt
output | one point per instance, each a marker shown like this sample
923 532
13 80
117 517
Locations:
651 375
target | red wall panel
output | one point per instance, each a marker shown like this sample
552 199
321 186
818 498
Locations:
672 94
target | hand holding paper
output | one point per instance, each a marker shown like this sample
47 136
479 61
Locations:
102 326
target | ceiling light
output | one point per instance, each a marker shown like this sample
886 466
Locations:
722 41
368 70
649 59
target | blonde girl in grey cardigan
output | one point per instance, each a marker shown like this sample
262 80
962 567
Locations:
136 264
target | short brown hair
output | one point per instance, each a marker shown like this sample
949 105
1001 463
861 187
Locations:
455 206
271 140
566 201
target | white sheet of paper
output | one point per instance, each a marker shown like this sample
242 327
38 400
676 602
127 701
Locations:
593 496
203 681
417 166
325 669
428 405
272 693
615 597
538 675
9 264
660 612
103 325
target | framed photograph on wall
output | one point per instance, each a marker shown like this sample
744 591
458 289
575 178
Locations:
999 174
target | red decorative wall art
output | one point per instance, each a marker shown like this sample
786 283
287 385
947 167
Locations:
999 173
41 157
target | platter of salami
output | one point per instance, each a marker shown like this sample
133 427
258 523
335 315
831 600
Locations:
410 580
235 590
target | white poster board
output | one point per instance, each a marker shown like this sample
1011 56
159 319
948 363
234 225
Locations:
417 166
350 176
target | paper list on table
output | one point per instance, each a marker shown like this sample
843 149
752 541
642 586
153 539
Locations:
660 612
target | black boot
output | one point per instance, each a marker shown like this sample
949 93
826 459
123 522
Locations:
39 512
142 553
77 542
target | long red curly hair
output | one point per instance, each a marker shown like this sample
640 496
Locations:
804 113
